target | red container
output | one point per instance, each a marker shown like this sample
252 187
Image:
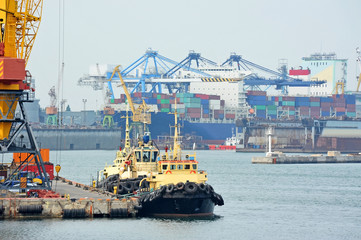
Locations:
288 98
194 115
137 94
165 105
315 99
230 116
326 104
351 107
214 97
340 109
257 93
193 110
291 108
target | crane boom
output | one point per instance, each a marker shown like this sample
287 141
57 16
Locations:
22 20
140 114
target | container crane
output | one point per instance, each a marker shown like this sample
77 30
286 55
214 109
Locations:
19 24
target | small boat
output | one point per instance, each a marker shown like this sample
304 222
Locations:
229 144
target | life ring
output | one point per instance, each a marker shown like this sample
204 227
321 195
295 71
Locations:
168 172
180 186
202 187
190 187
170 188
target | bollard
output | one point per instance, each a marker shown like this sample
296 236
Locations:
94 184
115 189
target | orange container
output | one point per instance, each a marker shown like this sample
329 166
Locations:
20 157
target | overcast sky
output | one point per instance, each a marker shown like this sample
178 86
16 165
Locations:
119 32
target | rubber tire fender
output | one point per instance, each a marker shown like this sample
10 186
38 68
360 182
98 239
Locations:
121 188
136 185
129 186
170 188
180 186
191 187
202 187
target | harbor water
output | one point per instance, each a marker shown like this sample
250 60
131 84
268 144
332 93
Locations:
296 201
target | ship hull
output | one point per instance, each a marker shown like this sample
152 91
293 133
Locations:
179 206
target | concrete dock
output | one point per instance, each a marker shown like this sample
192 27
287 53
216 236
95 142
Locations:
71 200
331 157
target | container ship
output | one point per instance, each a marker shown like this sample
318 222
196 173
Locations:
307 118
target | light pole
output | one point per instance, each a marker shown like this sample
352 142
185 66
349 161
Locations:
84 118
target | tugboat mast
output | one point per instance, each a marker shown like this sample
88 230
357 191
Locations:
176 145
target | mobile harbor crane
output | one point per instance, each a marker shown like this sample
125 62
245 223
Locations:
19 20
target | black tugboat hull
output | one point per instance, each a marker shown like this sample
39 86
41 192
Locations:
178 206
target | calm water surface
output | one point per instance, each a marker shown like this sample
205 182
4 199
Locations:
320 201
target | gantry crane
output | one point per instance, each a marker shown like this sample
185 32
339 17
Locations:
19 20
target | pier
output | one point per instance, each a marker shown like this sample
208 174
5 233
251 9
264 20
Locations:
331 157
71 200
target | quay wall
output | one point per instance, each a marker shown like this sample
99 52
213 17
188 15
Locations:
78 139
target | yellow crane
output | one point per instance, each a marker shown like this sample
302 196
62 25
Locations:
19 23
140 114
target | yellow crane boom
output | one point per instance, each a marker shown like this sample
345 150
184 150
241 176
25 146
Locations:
21 20
141 113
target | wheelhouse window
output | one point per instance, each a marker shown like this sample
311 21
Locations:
138 156
172 167
194 166
165 166
180 167
187 166
146 156
154 156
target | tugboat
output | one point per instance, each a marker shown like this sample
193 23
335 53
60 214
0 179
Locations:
168 185
179 187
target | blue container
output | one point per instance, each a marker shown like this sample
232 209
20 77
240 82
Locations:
350 99
272 116
302 99
221 116
325 114
302 104
339 114
204 101
205 111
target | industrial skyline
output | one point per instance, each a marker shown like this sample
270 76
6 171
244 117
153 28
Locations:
118 32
